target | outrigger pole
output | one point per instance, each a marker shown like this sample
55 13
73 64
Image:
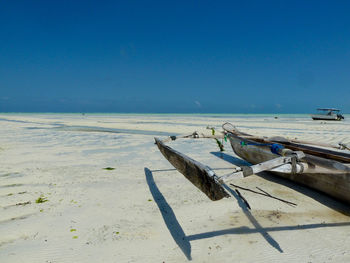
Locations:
205 179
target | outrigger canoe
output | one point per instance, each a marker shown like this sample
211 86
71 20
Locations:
319 168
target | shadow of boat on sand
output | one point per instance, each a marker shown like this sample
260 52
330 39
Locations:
318 196
183 240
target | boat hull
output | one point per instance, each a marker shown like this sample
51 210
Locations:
327 176
326 117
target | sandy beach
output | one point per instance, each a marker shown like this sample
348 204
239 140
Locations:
95 188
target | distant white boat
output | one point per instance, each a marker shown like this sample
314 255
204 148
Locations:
328 115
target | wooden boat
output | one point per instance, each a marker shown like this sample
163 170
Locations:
325 170
328 115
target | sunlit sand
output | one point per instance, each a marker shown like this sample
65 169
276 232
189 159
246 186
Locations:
95 188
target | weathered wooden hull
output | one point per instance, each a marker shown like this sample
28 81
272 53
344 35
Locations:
198 174
325 175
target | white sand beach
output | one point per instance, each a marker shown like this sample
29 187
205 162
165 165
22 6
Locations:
58 203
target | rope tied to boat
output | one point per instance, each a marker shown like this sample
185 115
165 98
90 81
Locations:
274 147
279 150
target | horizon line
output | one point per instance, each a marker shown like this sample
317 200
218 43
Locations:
107 112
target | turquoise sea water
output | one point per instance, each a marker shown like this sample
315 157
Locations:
209 115
165 114
168 124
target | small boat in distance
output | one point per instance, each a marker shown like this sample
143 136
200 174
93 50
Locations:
328 115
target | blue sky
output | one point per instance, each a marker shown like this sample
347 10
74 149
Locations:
174 56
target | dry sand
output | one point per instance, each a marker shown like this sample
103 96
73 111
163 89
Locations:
144 210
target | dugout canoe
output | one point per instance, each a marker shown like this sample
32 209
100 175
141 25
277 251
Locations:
324 170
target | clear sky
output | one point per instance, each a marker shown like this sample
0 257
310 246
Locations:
174 56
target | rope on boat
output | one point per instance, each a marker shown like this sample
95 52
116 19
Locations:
274 147
265 194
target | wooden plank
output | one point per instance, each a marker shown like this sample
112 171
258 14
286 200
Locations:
198 174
